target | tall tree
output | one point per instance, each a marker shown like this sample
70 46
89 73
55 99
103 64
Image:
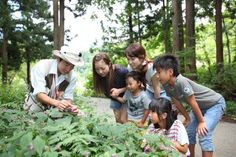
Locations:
5 29
166 25
177 23
35 35
190 66
58 23
55 25
27 34
130 21
178 32
5 32
219 40
229 27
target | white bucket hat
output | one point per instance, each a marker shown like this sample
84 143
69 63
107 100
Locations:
70 56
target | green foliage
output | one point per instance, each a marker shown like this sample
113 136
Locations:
89 90
231 109
44 134
25 27
224 82
12 96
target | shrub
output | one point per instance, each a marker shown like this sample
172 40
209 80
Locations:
12 96
45 134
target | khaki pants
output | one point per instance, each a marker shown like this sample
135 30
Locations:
31 105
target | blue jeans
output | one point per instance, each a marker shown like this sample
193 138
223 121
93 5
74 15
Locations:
212 116
162 94
115 105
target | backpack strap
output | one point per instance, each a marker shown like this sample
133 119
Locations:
49 79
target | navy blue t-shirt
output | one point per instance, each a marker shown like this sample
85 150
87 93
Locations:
118 80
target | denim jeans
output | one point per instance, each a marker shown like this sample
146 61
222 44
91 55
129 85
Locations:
212 116
162 94
115 105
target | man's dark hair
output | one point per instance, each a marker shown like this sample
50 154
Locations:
167 62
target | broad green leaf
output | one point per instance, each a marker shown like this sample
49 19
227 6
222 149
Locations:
54 113
16 136
26 140
52 128
41 116
39 144
65 122
50 154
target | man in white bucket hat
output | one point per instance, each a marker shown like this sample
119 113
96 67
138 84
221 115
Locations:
53 82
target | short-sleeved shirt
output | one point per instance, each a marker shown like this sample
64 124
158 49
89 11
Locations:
119 80
185 87
46 67
176 132
148 76
136 105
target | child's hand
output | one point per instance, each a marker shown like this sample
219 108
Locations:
140 124
186 122
114 92
73 109
175 144
59 94
202 129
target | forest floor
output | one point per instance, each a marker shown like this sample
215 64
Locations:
224 136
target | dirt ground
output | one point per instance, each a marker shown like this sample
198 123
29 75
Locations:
224 136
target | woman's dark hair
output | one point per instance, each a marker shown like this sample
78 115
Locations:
135 50
166 62
137 76
98 81
162 105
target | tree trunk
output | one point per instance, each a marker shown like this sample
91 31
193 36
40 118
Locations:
5 31
227 41
178 35
219 40
138 20
55 25
62 21
130 22
28 66
190 66
177 22
166 26
4 56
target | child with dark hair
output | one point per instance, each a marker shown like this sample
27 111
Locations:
109 79
136 98
163 122
207 105
138 61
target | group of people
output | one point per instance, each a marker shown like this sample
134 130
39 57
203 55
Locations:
144 91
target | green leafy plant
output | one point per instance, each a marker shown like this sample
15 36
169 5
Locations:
55 133
11 96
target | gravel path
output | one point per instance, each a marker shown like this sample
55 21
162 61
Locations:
224 137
